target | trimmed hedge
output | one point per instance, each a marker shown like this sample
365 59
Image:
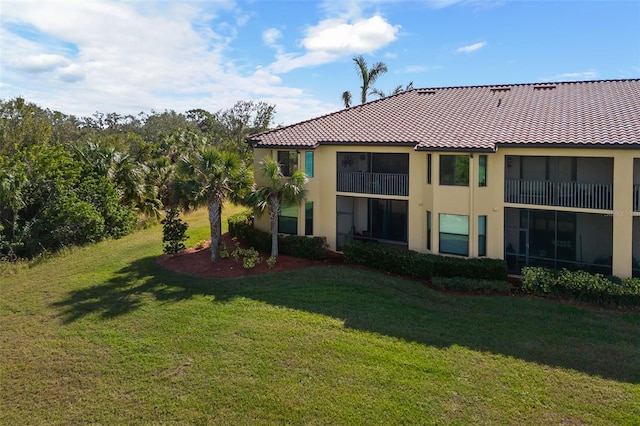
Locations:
314 248
582 286
241 227
401 261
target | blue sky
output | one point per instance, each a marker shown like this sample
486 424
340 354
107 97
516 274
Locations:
80 57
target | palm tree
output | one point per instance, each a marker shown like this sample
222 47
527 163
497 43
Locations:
208 177
398 89
128 175
276 191
346 98
368 76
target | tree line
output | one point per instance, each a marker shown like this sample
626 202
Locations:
67 180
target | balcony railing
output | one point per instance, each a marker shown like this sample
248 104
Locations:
374 183
559 194
636 198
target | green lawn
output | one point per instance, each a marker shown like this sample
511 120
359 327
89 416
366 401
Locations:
103 335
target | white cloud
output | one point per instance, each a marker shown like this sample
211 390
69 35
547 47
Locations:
333 38
81 57
270 36
266 77
38 63
71 74
471 48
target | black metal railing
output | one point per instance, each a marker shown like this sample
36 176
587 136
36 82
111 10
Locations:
374 183
560 194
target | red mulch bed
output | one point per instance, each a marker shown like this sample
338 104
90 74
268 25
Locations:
197 262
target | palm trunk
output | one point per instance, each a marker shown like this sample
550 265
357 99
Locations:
215 211
274 212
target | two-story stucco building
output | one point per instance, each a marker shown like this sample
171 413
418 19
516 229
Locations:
537 174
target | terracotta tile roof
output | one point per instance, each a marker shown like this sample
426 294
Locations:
602 113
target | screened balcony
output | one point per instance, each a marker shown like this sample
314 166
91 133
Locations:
557 239
373 220
575 182
373 173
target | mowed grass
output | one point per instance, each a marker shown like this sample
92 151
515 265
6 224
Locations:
103 335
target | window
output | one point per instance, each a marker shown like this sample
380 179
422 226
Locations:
428 230
288 162
482 170
288 220
454 234
454 170
308 163
482 235
308 218
428 168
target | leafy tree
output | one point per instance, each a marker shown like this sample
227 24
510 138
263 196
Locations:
228 128
14 186
208 177
99 191
48 199
67 180
173 232
159 125
275 191
22 124
368 77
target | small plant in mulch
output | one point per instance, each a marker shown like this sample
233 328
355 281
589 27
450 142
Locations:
250 257
271 262
201 244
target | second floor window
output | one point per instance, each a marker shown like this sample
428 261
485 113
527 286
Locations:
288 162
308 163
454 170
482 170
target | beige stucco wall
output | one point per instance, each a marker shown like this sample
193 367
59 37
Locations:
472 201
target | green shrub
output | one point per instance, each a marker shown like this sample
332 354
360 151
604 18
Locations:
397 260
239 221
241 227
471 285
250 257
540 281
314 248
582 286
271 262
173 232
